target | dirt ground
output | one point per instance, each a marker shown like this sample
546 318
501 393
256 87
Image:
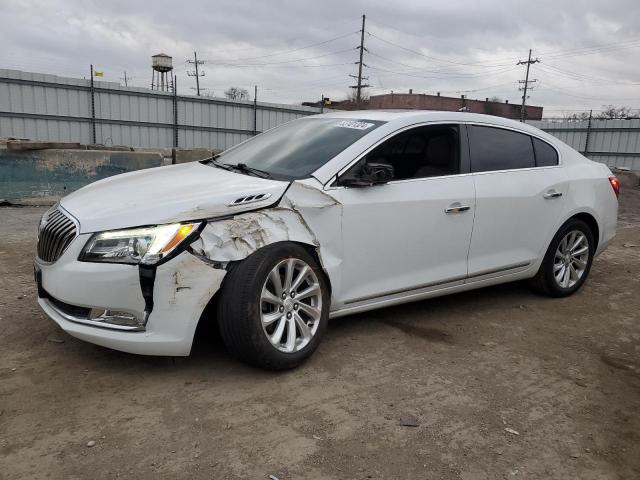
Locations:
470 370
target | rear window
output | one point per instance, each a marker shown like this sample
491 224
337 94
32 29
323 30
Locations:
499 149
546 155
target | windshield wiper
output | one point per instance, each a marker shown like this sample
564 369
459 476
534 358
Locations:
243 167
214 162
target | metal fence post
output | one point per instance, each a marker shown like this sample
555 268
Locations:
586 142
175 111
93 109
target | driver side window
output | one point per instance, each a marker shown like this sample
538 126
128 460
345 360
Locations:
420 152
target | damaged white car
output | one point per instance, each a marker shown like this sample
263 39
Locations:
321 217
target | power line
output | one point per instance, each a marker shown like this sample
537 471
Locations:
581 77
317 82
443 76
591 52
283 52
282 62
577 50
422 69
506 61
561 90
435 58
482 88
525 82
549 54
288 66
488 87
592 49
306 87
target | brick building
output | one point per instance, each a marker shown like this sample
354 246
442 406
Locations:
421 101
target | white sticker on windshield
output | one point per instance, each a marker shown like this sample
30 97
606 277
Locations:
353 124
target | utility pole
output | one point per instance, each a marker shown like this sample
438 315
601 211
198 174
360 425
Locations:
195 73
526 82
255 109
126 78
360 86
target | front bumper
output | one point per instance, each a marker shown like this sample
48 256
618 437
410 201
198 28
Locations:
182 289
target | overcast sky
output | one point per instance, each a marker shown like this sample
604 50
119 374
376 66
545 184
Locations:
299 50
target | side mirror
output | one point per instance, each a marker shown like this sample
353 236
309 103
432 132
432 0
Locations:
368 175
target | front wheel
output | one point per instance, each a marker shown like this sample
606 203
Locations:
274 307
567 262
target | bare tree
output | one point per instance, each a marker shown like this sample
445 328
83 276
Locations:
495 99
236 93
611 112
576 116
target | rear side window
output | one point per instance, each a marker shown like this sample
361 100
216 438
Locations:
546 155
499 149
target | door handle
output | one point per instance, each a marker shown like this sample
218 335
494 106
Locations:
552 194
457 208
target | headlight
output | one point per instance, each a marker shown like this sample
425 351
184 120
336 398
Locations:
146 245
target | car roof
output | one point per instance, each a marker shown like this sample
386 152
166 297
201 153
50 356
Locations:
399 119
410 116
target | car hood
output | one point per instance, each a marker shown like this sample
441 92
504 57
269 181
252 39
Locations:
174 193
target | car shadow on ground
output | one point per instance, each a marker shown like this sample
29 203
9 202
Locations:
425 319
428 318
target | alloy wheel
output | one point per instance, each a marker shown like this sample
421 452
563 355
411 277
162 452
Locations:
571 259
291 305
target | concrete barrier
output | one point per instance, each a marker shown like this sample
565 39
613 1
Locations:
628 179
192 155
42 177
31 174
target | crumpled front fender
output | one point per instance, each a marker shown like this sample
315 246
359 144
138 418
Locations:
305 214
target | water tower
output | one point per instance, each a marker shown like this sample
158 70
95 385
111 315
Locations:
161 78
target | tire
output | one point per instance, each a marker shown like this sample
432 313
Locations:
551 278
249 315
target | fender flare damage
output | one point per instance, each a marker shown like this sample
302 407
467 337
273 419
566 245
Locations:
305 214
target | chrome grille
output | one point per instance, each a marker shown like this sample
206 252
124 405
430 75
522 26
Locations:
56 232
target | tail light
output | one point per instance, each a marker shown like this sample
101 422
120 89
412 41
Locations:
615 184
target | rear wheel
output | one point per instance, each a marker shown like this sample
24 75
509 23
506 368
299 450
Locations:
567 262
274 307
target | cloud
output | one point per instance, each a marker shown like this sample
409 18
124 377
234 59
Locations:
454 47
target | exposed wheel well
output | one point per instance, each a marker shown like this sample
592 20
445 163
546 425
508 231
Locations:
313 251
591 223
209 312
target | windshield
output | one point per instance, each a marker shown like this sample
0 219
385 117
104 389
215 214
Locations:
298 148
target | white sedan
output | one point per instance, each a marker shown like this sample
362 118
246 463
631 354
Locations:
321 217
